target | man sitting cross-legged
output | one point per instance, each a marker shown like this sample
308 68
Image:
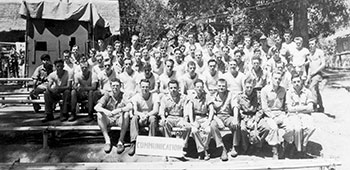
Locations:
85 83
113 110
171 112
146 107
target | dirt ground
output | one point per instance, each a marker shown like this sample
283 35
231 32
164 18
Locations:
329 140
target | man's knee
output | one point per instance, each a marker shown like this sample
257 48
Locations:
152 119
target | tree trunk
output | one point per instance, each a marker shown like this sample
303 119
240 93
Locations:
300 21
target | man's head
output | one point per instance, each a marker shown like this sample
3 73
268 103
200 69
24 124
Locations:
191 39
256 62
173 86
217 40
127 63
100 43
66 55
218 55
199 86
198 55
107 64
287 36
247 41
238 55
157 56
276 78
297 82
178 54
59 64
257 52
99 58
233 65
145 86
110 49
92 52
312 43
145 54
248 86
222 85
223 37
84 66
212 65
169 65
115 84
191 67
299 42
148 69
134 39
75 49
137 56
181 40
117 45
192 49
280 66
225 50
45 58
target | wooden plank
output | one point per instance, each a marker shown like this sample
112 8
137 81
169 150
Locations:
14 93
21 101
15 79
232 165
24 128
56 128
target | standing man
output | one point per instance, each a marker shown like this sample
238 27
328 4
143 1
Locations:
168 75
113 110
146 107
188 79
317 63
59 87
40 79
299 56
234 78
85 83
211 77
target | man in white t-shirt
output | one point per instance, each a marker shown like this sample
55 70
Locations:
299 56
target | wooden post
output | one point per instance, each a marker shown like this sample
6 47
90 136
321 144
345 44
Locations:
45 139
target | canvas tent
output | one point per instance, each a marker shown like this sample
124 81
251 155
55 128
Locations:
56 25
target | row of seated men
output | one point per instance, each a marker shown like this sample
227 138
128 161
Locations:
196 103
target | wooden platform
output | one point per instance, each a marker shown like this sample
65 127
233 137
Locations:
231 165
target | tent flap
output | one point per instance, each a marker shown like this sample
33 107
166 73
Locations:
62 10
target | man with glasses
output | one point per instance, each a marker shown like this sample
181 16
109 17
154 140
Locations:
85 83
59 87
40 79
145 107
113 110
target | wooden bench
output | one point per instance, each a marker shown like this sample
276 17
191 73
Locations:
329 164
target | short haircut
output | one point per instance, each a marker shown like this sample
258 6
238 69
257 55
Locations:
172 81
45 57
59 61
256 58
117 42
257 50
276 72
250 80
198 81
238 51
66 52
147 66
222 80
295 75
212 60
114 79
170 60
313 39
128 59
145 81
298 39
191 63
287 31
177 49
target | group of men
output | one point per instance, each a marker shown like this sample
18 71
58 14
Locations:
260 94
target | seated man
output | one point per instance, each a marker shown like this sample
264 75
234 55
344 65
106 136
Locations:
146 107
59 87
273 98
113 110
300 102
171 112
222 106
40 79
85 84
196 107
254 128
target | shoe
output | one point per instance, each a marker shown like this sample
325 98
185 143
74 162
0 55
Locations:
47 118
206 156
274 152
120 148
321 110
201 156
72 118
37 108
132 149
233 152
224 156
107 147
63 118
89 119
